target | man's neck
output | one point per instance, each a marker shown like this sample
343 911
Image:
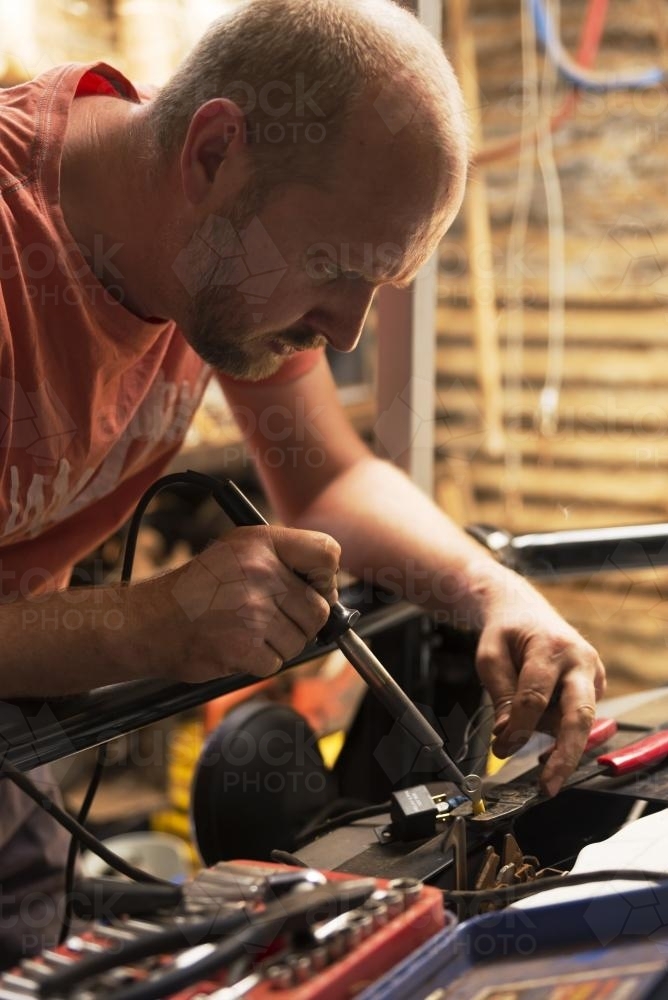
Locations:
108 202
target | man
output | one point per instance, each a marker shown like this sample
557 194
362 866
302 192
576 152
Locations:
303 156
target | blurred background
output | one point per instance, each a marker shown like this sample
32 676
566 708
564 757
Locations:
144 39
552 322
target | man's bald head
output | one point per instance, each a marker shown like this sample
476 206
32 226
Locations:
300 70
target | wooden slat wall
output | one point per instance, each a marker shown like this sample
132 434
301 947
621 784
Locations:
607 461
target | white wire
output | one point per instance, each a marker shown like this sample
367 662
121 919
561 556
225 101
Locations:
518 230
482 716
548 406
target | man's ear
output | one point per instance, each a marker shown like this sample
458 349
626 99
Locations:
216 134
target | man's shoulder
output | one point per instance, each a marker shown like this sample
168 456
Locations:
18 119
33 115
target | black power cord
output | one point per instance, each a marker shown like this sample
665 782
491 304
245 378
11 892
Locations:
182 935
185 478
311 832
8 770
70 866
196 479
467 900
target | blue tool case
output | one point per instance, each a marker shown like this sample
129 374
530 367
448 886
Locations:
612 947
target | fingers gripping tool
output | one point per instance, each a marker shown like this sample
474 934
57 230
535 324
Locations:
338 629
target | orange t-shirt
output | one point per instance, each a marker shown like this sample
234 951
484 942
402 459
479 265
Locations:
93 404
94 401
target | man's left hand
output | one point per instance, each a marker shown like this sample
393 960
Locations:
541 674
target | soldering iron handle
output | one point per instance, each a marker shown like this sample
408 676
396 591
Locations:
237 506
339 628
239 509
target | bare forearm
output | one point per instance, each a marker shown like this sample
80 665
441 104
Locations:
236 608
393 535
73 641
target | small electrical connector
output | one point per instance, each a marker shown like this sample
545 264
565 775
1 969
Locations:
473 787
413 814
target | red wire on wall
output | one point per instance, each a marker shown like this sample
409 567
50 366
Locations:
590 41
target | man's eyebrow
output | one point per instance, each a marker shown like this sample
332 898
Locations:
402 282
384 277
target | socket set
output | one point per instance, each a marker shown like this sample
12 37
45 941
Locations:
326 959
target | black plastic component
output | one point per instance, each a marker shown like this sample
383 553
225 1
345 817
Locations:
413 814
259 780
36 731
99 897
340 620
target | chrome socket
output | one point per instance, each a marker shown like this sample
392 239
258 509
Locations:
395 902
279 976
319 958
377 910
361 924
301 966
409 887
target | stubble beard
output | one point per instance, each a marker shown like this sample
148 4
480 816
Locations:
218 324
222 336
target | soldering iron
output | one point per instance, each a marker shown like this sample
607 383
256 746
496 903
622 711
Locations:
339 629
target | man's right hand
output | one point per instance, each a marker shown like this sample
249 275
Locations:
237 608
240 606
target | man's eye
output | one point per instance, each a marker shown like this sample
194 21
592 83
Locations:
329 270
322 270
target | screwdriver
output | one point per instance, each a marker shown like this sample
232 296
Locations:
338 629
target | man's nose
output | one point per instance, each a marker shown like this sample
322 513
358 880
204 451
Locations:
349 311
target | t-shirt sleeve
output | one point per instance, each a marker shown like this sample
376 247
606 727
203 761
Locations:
292 368
105 81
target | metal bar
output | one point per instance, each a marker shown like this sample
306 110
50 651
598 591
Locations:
579 551
37 732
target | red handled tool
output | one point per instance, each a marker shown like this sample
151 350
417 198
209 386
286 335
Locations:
650 750
601 730
638 756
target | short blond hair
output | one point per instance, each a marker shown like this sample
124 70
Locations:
320 57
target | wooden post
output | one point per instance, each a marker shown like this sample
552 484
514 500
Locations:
406 382
479 240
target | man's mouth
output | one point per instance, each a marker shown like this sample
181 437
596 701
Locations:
296 340
282 349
